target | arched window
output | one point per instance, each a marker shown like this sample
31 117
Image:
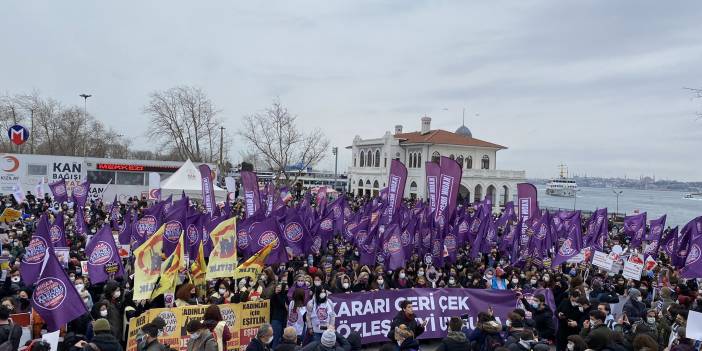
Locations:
360 183
435 157
377 158
368 184
478 193
376 185
460 161
419 160
469 162
363 160
414 159
485 162
369 159
451 156
413 186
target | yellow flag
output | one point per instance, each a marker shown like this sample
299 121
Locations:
147 265
254 265
10 215
198 271
170 269
223 255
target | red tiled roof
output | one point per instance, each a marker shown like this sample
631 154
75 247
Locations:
440 136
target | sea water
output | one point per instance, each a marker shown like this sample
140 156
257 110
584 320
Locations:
656 203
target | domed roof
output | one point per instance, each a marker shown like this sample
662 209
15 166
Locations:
464 131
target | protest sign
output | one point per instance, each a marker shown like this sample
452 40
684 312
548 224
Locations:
694 326
633 267
602 260
243 321
371 313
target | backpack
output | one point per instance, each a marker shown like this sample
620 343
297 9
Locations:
491 342
6 332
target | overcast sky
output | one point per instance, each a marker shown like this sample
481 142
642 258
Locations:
597 85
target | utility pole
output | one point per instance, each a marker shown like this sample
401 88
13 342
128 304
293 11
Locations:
221 146
335 151
85 118
31 130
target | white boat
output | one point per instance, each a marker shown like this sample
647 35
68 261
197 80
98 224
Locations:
562 186
693 196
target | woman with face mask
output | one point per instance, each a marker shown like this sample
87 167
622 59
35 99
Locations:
400 280
107 310
320 314
201 338
297 313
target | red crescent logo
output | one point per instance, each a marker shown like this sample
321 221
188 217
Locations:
14 160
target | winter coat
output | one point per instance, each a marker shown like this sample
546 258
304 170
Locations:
257 345
287 346
597 337
486 333
409 345
634 310
411 323
543 319
454 341
341 345
206 342
105 342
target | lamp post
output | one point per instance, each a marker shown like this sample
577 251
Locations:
617 193
85 118
335 152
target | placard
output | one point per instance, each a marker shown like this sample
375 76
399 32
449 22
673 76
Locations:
633 267
602 260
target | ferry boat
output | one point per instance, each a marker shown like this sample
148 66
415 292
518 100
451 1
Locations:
693 196
562 186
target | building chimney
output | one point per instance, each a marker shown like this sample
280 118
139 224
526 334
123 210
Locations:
398 129
426 124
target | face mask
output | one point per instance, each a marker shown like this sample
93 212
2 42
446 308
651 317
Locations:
547 279
80 287
489 276
459 267
355 253
103 313
639 298
322 296
380 282
508 323
593 323
117 294
86 301
571 346
345 285
515 281
575 304
522 276
420 273
317 283
452 281
15 279
533 282
194 336
402 275
268 341
581 309
535 304
222 291
651 320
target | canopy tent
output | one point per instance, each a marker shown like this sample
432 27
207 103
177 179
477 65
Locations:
187 179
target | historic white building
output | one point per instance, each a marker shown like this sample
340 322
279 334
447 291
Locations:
368 172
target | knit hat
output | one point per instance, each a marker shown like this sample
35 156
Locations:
101 325
328 338
290 334
634 293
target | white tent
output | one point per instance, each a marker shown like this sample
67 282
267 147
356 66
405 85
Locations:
187 178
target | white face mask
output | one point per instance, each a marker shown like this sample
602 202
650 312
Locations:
420 273
345 285
103 313
80 287
380 282
651 320
194 336
317 283
15 279
639 298
452 281
117 294
508 322
222 291
546 279
322 296
515 281
402 275
571 346
581 309
533 282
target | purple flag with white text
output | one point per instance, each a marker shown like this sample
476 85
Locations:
35 252
265 232
59 191
572 244
208 196
635 228
655 237
433 171
57 231
174 223
55 298
396 188
447 191
103 257
80 194
252 198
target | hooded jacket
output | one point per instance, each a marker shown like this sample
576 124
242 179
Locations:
454 341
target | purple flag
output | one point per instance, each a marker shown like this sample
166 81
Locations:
252 198
264 233
57 231
507 215
433 172
294 233
55 298
80 225
125 231
174 223
597 230
80 194
693 265
104 262
635 227
208 198
114 209
669 241
35 252
393 248
58 189
396 187
572 245
655 237
447 192
527 200
193 233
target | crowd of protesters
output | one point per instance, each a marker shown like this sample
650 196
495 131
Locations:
651 314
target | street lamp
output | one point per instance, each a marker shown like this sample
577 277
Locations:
85 117
335 152
617 193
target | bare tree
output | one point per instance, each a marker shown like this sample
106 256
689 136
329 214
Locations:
184 120
274 136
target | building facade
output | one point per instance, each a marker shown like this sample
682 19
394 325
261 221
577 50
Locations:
371 158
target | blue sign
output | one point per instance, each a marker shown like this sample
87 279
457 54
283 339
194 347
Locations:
18 134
